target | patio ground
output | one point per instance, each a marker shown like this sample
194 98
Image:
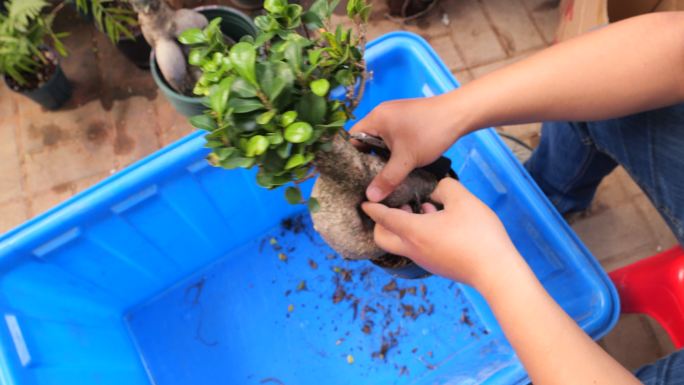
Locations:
117 116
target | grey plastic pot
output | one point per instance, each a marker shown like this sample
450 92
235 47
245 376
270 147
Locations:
53 93
235 25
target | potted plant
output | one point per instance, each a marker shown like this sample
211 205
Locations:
162 27
29 66
117 19
279 102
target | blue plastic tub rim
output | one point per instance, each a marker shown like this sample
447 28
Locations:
20 240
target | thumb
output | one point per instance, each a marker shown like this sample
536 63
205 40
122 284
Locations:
394 172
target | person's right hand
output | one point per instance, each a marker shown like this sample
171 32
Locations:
465 241
417 132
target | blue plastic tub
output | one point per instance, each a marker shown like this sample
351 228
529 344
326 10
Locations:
174 272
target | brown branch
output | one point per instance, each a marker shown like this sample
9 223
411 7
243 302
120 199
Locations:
362 87
304 179
264 100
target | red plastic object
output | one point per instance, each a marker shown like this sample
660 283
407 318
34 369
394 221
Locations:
655 286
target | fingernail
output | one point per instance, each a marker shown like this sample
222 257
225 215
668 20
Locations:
374 193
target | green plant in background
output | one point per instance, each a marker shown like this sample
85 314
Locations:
25 34
115 18
268 97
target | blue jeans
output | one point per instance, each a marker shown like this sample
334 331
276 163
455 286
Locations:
573 157
666 371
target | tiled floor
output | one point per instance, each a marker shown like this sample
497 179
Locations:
117 116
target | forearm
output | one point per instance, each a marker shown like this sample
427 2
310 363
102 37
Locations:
627 67
553 349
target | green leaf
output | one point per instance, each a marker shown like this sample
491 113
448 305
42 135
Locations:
225 152
263 38
218 98
320 87
241 106
293 195
238 161
265 117
213 28
293 55
275 138
209 66
196 56
311 108
288 118
275 6
204 122
351 8
365 13
294 161
284 150
314 56
270 180
335 123
294 12
245 122
200 90
313 205
247 39
333 5
192 36
344 77
301 172
274 78
298 132
256 145
272 163
312 20
243 88
266 23
243 57
321 8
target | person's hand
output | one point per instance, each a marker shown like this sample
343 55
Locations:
465 241
417 131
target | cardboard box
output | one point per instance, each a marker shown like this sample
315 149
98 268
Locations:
579 16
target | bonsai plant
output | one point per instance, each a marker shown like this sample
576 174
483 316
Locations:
162 26
270 105
117 19
28 65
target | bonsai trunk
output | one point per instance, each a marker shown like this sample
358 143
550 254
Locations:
340 189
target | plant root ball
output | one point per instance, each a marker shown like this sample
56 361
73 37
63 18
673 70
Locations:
340 223
341 188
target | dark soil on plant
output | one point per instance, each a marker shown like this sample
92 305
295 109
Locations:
392 261
37 79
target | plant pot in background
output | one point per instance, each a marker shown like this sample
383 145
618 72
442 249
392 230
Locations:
51 94
137 50
234 25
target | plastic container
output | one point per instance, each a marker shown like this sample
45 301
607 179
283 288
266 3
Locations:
175 272
234 24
